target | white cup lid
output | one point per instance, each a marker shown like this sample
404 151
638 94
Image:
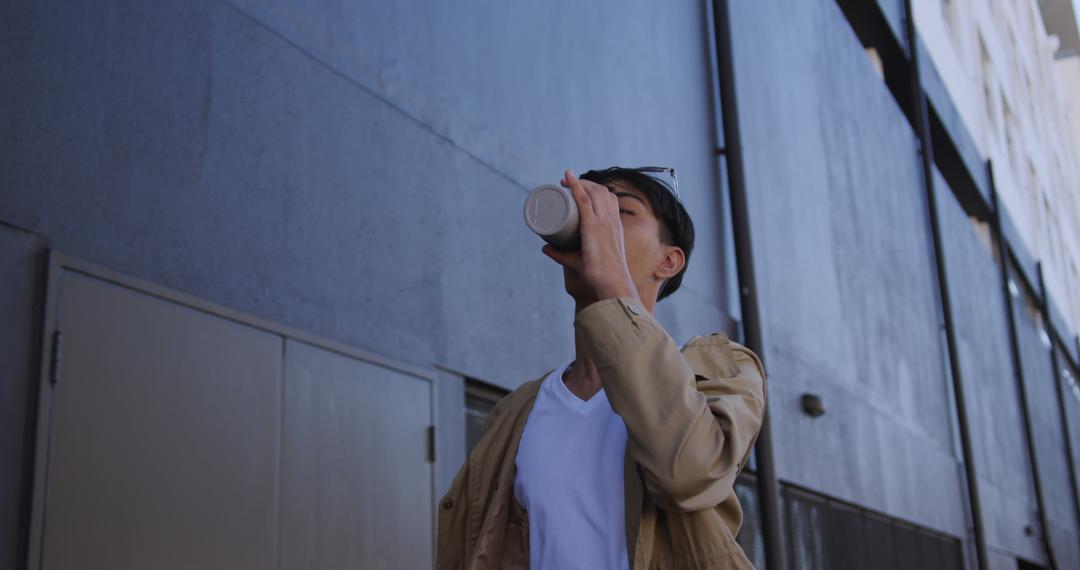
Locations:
547 209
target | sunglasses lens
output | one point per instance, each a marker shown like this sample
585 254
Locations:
663 175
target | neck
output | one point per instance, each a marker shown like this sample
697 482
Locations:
583 379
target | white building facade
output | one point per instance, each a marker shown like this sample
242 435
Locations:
1012 67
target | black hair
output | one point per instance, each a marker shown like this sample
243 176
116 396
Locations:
676 227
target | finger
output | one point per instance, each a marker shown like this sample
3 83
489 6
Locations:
609 204
604 201
602 198
616 215
592 190
581 197
569 259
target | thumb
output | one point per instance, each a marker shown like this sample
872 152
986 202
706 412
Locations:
570 259
554 253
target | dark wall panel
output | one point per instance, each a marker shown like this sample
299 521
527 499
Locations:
845 269
995 419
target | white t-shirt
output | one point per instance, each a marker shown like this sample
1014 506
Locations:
570 480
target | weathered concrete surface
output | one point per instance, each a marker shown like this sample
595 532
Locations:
356 171
1049 437
845 268
353 170
1071 396
995 419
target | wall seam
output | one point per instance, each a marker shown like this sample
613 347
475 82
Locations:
376 94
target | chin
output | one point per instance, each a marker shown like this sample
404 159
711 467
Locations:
577 289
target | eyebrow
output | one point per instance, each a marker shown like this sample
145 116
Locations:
629 195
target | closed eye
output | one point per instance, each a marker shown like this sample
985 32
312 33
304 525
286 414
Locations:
625 211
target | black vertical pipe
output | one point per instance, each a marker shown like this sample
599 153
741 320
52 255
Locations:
921 122
768 486
1018 368
1060 392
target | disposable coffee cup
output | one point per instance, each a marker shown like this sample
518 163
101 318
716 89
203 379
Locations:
552 213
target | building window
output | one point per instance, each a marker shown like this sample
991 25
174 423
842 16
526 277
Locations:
480 398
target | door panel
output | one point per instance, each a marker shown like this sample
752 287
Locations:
356 482
178 438
164 440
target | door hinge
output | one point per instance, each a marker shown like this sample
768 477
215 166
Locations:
431 443
57 353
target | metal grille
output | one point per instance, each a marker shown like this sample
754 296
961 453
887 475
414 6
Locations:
750 538
480 398
823 533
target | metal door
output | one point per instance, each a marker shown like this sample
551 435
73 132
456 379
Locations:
176 436
356 487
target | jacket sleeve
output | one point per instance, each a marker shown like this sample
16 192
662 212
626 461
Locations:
689 427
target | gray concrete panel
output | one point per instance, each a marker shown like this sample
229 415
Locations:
997 560
21 271
995 417
356 171
1069 349
1058 325
469 72
1049 439
1070 390
844 266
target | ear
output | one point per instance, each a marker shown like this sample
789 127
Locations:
671 264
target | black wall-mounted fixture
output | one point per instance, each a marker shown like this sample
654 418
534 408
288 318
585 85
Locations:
813 405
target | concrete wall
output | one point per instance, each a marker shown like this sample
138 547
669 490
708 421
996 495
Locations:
1047 425
994 56
331 169
353 170
1070 393
849 296
991 392
357 170
845 268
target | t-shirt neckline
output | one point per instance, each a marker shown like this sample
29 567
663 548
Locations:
569 398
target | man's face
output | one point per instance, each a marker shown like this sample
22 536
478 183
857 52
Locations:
645 253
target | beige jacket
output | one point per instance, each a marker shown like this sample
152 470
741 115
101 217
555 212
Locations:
691 416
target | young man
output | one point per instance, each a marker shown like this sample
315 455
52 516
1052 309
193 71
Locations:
626 457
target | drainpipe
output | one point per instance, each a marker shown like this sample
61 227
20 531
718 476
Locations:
768 486
921 122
